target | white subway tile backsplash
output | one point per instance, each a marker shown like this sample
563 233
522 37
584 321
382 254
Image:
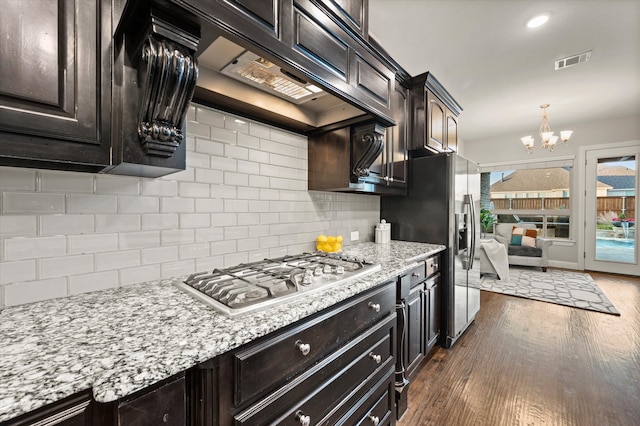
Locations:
53 267
139 274
195 220
178 236
241 206
81 203
243 197
160 221
35 291
117 260
138 204
209 176
194 190
55 181
159 187
16 179
95 243
237 152
32 202
177 205
236 179
142 239
22 270
18 226
117 185
194 251
117 222
248 141
207 116
93 282
198 130
159 254
36 247
223 135
248 167
178 268
206 146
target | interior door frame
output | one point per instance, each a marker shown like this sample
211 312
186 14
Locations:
589 221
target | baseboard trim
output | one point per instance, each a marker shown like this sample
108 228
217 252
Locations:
565 265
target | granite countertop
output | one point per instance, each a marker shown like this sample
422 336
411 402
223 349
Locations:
122 340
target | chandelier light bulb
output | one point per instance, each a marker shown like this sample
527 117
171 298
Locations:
565 135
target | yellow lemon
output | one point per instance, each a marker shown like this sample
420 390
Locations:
319 246
326 247
339 238
331 239
322 238
336 247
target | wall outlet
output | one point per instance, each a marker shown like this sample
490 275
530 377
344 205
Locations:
355 235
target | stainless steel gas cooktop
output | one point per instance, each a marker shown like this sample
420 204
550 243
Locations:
255 286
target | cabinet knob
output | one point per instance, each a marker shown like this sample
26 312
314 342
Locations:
415 274
304 348
374 420
376 358
165 418
374 306
303 419
391 179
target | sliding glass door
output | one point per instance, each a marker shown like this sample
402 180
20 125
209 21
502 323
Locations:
611 239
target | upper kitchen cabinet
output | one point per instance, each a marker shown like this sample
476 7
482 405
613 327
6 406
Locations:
434 116
296 64
55 84
95 86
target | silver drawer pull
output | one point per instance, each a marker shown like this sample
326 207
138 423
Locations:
303 419
374 420
304 348
415 274
376 358
374 306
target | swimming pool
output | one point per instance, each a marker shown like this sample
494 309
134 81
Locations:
615 249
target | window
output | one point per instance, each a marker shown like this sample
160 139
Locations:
540 196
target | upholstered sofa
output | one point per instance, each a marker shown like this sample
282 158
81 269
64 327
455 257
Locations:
519 254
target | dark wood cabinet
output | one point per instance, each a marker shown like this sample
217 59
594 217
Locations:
418 301
434 122
163 406
55 86
353 13
332 368
75 410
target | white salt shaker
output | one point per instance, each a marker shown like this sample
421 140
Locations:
383 232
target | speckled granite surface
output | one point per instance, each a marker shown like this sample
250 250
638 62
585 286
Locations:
122 340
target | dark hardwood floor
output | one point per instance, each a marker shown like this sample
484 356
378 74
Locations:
524 362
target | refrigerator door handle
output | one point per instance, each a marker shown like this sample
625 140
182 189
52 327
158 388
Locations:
472 252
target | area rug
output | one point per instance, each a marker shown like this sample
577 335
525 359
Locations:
567 288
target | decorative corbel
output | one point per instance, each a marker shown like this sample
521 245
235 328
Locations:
170 73
370 139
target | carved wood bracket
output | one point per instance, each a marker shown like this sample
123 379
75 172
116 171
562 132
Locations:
372 143
169 76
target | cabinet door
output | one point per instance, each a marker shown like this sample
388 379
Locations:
397 148
55 67
415 328
435 123
452 133
163 406
433 313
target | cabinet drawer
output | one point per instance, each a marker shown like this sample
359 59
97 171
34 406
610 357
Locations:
264 366
331 387
416 275
376 404
433 265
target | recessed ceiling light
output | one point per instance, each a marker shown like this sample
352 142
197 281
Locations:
538 20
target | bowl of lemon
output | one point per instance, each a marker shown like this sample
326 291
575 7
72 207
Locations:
329 244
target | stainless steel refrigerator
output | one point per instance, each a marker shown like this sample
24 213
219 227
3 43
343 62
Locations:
442 207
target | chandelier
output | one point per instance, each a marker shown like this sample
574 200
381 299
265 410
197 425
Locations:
547 137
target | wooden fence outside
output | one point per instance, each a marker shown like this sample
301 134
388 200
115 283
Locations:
604 204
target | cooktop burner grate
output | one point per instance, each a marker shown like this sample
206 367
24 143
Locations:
254 286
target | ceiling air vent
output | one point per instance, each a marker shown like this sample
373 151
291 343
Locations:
573 60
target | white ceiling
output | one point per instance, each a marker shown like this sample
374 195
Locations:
500 71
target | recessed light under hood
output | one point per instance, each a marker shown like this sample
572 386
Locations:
265 75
